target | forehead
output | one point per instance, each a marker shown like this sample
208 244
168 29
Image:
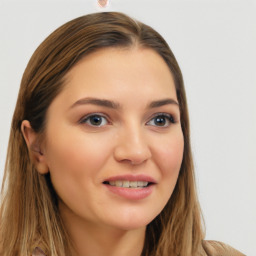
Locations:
133 78
140 67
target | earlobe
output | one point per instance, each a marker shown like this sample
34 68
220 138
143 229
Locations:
42 168
34 147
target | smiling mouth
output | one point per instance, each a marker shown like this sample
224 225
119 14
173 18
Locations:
128 184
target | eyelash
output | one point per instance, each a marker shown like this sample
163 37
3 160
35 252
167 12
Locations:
167 117
170 119
88 117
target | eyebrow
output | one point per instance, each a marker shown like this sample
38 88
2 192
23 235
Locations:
98 102
115 105
159 103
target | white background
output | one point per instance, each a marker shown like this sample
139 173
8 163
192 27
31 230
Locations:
215 45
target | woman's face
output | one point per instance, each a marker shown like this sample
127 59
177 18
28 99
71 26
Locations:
113 140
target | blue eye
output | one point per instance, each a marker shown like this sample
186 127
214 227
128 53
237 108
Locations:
161 120
95 120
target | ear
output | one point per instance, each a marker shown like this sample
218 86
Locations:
33 143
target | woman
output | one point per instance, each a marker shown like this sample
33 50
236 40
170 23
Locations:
99 159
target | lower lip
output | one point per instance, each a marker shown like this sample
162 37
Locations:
131 193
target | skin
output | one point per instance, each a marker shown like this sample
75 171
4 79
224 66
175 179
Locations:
80 155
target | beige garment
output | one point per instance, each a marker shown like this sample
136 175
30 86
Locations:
211 248
214 248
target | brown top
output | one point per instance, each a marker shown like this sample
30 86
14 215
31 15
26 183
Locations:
211 248
214 248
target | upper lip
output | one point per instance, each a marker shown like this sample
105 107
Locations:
129 177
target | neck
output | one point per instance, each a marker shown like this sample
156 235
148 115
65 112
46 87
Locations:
91 239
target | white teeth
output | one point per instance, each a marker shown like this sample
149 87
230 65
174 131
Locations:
128 184
133 184
142 183
118 183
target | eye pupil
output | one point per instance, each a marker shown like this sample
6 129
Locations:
96 120
160 121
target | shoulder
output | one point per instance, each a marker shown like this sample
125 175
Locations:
215 248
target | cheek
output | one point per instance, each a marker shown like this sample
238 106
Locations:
168 158
75 162
76 152
170 155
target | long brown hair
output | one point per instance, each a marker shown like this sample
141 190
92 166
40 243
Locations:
29 209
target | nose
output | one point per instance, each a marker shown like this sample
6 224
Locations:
132 147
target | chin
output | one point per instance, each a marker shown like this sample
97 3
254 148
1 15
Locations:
132 222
